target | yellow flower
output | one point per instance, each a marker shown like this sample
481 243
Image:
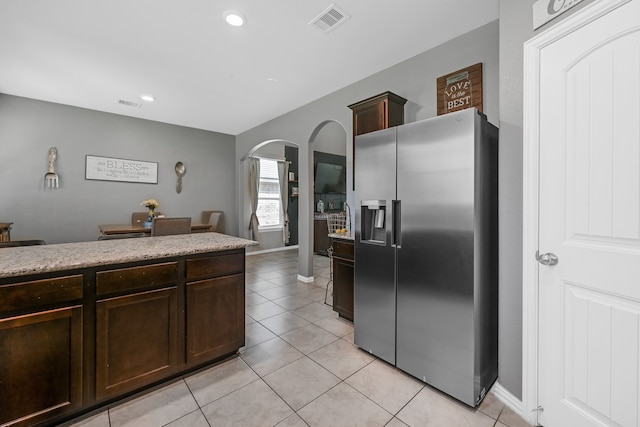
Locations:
150 203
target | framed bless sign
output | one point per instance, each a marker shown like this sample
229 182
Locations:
460 89
111 169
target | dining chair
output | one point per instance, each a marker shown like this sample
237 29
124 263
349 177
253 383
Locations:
215 218
137 218
16 243
168 225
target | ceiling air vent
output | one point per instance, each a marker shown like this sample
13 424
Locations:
129 103
330 19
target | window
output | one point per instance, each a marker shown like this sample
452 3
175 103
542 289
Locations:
269 204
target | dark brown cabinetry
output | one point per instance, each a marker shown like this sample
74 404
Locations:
73 342
378 112
136 333
321 241
41 362
343 278
215 307
135 340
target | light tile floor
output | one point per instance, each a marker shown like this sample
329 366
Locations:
299 368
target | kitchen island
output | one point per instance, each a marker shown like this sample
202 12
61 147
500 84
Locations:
84 324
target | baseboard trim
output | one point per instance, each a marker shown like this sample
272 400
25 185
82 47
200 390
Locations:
507 398
306 279
265 251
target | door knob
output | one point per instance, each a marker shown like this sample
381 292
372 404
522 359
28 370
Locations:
547 259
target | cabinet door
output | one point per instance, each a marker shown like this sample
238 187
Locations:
370 118
215 318
321 241
136 340
41 366
378 112
343 287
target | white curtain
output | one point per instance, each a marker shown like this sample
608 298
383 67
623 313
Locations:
254 186
283 174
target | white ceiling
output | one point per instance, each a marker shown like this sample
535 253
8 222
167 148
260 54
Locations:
204 73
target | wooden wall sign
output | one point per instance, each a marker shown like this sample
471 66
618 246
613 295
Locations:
545 10
111 169
460 89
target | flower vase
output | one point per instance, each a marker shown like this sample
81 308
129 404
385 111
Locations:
149 221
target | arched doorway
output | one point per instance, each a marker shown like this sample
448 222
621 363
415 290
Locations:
269 238
327 130
328 168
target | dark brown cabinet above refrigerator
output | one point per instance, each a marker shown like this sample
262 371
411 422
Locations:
378 112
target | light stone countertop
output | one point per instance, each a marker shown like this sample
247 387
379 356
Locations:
25 260
343 236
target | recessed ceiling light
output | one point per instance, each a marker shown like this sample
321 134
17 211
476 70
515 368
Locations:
147 97
233 18
272 79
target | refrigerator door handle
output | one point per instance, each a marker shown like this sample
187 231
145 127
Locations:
396 236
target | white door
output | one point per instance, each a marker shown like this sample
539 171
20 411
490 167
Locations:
589 201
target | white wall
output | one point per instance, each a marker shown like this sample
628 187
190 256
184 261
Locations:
28 128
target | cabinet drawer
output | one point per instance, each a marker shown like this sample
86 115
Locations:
220 265
40 292
126 279
343 249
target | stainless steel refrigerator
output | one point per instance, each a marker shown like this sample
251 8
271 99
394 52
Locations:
426 253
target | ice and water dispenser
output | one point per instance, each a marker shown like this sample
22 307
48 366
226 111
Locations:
373 224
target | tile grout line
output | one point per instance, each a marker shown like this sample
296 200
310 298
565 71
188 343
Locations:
305 355
196 400
261 378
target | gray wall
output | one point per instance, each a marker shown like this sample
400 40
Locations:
331 139
28 128
516 27
414 79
